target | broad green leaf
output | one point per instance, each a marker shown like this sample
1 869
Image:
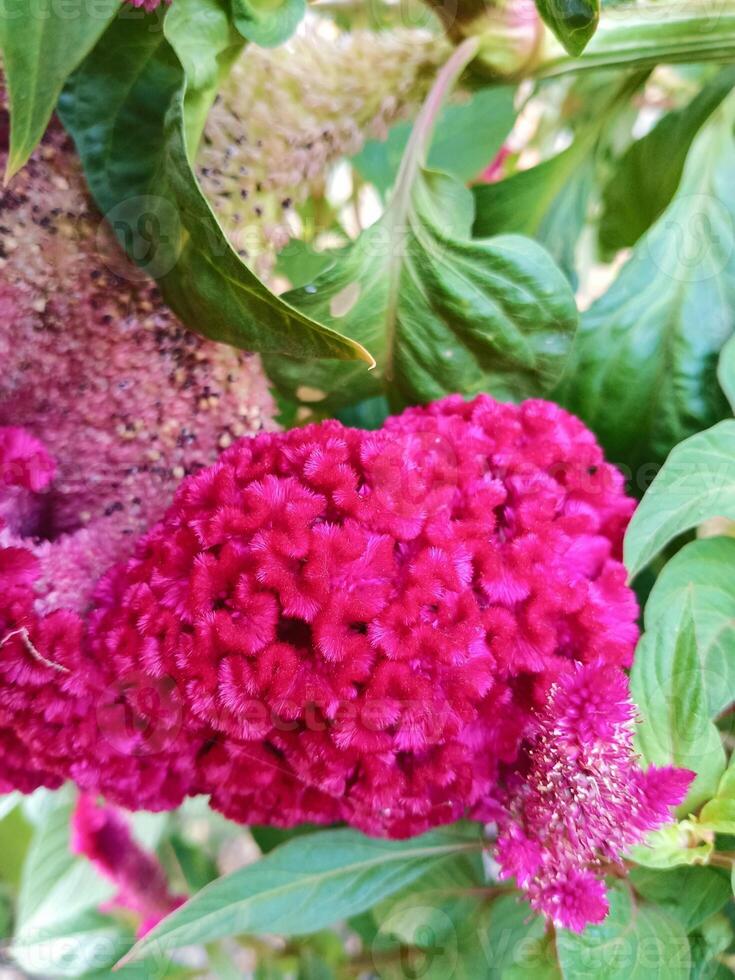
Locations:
689 894
58 931
726 372
696 482
267 23
704 573
432 907
666 684
635 942
572 21
468 136
158 86
497 938
509 942
440 312
56 886
80 946
304 885
550 202
719 813
41 46
547 202
642 369
648 174
672 846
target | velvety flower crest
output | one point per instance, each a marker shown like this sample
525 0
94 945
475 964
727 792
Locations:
361 624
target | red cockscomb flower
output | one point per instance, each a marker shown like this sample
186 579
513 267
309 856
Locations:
61 713
360 625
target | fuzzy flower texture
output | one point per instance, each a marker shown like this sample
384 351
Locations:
392 629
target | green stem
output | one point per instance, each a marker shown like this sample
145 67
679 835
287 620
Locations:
648 33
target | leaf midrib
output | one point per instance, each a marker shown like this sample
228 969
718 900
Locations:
314 879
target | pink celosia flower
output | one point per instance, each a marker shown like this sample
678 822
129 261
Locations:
578 800
124 399
360 625
101 834
39 681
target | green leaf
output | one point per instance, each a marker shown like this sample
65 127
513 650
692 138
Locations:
58 932
15 838
696 482
726 371
434 905
666 684
56 886
642 369
269 838
497 937
267 23
159 88
635 942
648 174
82 945
550 202
305 885
719 813
572 21
40 49
547 202
440 312
468 136
672 846
689 894
510 940
713 938
703 572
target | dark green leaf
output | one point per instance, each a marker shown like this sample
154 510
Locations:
633 943
726 372
714 937
440 312
648 174
269 838
666 683
135 82
548 202
468 136
41 47
703 572
267 23
573 21
305 885
691 894
642 370
493 937
696 482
